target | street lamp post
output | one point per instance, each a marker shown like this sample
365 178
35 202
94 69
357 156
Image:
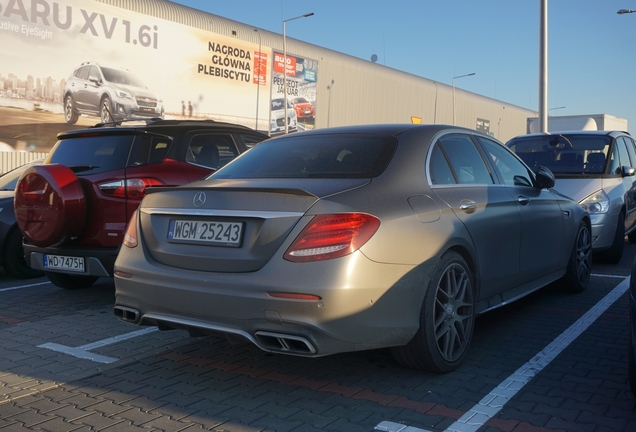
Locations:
454 78
543 67
285 65
258 77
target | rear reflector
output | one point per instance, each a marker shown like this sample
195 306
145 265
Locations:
332 236
294 296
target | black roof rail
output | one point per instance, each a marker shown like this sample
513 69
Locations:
115 123
155 121
178 122
181 122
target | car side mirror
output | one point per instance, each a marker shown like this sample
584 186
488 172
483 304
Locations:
545 178
627 171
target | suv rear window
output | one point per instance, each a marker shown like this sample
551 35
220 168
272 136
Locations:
564 154
95 154
318 156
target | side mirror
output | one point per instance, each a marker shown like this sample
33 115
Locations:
627 171
545 178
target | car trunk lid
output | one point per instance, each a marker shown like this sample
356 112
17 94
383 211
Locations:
229 225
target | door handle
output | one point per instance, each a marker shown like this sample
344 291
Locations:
468 206
523 200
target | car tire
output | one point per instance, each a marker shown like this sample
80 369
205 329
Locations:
71 282
614 254
579 269
14 263
106 110
70 114
56 195
447 319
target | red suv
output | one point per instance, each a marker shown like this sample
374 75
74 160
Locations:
73 209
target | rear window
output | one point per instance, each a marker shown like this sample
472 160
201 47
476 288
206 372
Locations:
314 156
564 154
93 154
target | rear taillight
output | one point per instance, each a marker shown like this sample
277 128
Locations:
130 236
332 236
131 188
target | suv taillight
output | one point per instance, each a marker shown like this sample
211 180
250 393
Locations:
131 188
332 236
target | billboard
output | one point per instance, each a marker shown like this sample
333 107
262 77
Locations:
300 83
73 63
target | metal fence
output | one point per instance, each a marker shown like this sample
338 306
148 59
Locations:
10 160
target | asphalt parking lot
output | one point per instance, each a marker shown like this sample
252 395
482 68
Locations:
550 362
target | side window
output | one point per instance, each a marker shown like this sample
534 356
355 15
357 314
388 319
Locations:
440 170
511 171
93 74
615 165
211 150
149 150
465 160
251 140
82 73
630 149
622 152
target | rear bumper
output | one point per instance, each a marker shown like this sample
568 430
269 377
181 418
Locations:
363 304
97 261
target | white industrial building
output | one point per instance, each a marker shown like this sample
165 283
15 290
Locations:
200 65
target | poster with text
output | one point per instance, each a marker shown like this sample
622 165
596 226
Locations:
74 63
300 83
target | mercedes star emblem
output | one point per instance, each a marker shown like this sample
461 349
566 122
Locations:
199 199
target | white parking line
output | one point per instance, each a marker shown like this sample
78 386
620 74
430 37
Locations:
24 286
83 351
494 401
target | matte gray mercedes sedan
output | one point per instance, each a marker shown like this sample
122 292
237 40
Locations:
353 238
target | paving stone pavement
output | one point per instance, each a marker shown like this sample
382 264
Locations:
166 381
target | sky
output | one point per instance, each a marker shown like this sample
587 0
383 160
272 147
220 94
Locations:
591 48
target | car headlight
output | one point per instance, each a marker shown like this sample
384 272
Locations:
598 202
123 94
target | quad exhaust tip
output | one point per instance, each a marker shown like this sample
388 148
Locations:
284 343
126 314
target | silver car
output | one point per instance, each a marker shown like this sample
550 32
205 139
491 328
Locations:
353 238
109 93
277 123
596 169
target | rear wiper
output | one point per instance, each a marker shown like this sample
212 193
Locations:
80 168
